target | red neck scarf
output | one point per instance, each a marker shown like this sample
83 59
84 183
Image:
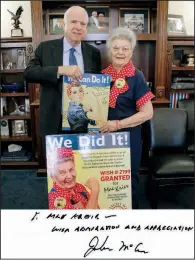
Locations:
120 85
72 195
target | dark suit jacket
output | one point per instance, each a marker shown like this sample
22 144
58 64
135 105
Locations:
43 69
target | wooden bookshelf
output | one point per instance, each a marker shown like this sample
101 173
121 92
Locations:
190 91
15 138
27 116
187 68
12 71
186 44
19 94
29 163
160 101
146 37
16 40
10 46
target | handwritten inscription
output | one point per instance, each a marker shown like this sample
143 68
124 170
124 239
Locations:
151 227
96 224
96 245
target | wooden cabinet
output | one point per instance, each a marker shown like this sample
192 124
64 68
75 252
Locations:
15 117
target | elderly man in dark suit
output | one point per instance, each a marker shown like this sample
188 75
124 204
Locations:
66 56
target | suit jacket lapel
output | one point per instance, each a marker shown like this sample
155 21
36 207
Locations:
87 57
57 53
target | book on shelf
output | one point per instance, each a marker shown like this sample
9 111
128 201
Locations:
174 97
183 83
3 106
89 171
85 103
27 105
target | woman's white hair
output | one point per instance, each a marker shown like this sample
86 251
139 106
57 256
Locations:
122 33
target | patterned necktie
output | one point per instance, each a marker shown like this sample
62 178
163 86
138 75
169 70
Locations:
72 58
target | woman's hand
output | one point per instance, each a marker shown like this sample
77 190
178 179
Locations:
109 126
79 205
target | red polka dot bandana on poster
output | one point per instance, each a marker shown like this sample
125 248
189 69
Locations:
65 153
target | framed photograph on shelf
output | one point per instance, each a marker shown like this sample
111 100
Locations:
56 24
176 25
98 25
6 60
136 19
19 127
21 59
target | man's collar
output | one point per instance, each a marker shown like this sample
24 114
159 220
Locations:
67 46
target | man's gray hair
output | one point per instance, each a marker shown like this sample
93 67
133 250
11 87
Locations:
122 33
75 7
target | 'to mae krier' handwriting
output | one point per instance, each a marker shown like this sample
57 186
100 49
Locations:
152 227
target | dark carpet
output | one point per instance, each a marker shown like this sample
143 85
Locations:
24 190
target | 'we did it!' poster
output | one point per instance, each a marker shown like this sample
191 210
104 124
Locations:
85 103
87 171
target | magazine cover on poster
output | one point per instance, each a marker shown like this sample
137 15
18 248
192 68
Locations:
89 171
85 102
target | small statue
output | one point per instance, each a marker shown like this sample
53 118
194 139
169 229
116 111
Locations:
16 17
19 110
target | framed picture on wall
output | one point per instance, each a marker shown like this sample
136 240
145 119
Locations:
136 19
176 25
98 25
56 24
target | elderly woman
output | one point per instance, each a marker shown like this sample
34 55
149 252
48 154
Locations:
66 192
130 98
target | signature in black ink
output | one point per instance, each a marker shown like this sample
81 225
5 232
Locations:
94 246
136 249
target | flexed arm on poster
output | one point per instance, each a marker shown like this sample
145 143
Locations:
93 184
96 111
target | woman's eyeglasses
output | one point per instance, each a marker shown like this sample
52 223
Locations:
124 49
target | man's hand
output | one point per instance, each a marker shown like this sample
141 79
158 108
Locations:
72 71
93 184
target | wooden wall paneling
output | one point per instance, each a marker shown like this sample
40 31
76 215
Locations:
31 90
37 22
34 107
152 51
34 136
37 31
144 58
161 43
169 69
141 58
